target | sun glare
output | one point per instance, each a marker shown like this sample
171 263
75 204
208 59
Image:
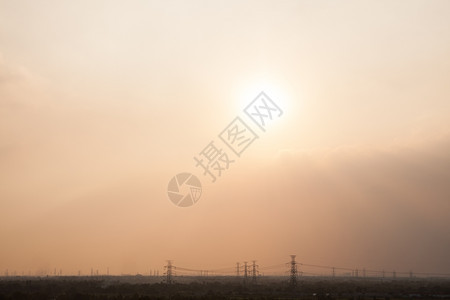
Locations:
278 94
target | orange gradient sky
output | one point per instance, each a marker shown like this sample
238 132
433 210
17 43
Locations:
102 102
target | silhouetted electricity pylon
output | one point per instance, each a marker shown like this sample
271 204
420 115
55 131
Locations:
293 275
237 269
169 272
254 266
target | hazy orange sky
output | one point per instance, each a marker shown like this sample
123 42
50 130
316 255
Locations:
102 102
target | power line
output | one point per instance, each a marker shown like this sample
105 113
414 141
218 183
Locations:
290 267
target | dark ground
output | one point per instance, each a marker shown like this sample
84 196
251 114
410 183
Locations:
141 287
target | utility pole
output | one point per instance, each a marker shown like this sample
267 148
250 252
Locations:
293 275
237 269
334 272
